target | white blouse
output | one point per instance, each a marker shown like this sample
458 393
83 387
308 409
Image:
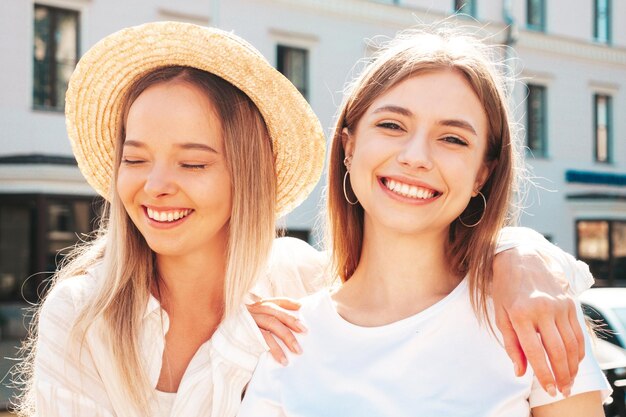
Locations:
71 381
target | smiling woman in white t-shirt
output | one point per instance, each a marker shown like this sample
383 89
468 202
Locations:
422 173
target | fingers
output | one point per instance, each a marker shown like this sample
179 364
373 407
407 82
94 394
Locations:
578 331
534 350
267 310
275 350
511 342
554 346
283 302
278 324
573 343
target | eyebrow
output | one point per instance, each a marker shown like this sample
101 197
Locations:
394 109
461 124
187 145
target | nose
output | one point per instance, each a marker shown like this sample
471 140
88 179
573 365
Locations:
160 181
416 153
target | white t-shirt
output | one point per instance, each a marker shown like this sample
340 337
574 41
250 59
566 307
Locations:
440 362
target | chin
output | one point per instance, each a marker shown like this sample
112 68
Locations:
166 248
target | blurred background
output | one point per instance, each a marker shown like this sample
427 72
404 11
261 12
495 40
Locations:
569 101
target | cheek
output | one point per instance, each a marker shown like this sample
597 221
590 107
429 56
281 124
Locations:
125 185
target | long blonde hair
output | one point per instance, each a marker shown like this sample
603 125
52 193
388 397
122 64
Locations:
411 53
126 264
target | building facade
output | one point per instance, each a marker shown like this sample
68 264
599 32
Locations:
570 100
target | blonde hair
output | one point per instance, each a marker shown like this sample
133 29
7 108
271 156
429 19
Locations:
127 270
414 52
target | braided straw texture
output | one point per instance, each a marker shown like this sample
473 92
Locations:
108 69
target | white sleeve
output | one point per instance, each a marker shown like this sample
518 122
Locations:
262 397
589 378
295 269
576 272
66 381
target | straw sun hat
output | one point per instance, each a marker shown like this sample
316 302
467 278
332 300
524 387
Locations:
108 69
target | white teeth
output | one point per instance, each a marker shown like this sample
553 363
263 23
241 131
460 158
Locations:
167 216
407 190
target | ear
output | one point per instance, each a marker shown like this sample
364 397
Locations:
483 175
347 140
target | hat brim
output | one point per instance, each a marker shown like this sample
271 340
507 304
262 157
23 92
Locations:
104 74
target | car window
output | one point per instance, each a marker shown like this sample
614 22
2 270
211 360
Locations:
600 325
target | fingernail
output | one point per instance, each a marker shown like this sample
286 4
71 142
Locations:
301 326
284 361
567 390
517 369
296 347
551 390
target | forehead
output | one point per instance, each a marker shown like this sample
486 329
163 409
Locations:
173 111
435 94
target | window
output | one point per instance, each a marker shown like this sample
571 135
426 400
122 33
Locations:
602 245
467 7
55 53
602 21
602 127
536 136
536 15
35 232
293 63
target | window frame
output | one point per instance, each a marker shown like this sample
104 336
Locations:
541 27
40 240
459 4
51 48
609 128
610 279
543 154
281 49
596 19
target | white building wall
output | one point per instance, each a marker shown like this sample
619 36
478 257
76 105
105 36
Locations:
564 59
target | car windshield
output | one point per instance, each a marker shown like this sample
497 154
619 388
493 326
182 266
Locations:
621 315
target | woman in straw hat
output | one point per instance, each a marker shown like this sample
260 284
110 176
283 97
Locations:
422 172
197 144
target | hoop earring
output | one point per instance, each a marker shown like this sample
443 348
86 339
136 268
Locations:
345 192
481 216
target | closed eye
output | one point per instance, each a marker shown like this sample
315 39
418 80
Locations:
194 166
132 161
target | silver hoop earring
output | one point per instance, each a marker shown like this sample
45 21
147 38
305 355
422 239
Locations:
481 216
345 192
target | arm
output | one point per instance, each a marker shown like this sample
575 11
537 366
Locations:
66 382
533 288
295 269
588 404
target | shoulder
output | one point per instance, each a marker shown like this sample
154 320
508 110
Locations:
66 299
295 269
296 252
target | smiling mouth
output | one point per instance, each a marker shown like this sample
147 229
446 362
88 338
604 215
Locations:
167 216
409 190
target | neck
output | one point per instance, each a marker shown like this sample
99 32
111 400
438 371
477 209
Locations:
398 275
192 282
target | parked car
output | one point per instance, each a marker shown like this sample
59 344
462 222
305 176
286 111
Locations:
606 307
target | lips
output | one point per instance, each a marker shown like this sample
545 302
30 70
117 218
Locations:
409 190
167 216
